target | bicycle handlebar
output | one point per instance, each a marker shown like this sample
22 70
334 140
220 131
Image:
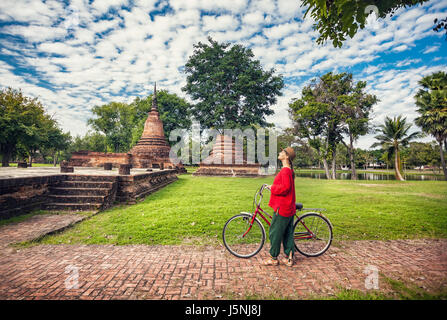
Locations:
259 192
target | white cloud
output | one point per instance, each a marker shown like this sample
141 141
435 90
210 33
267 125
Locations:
400 48
253 18
431 49
280 31
115 46
224 22
407 62
36 33
103 6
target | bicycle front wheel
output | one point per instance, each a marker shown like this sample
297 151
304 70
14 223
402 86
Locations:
312 234
243 236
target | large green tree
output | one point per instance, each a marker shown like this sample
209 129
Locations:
329 108
115 121
23 124
356 107
57 142
422 154
431 101
92 140
394 134
230 87
337 19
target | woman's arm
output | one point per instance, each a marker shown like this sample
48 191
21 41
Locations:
284 185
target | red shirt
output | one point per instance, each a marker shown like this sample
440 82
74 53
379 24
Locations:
283 193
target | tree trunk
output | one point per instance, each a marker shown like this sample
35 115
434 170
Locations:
351 158
326 169
334 164
396 166
443 160
5 159
30 161
54 158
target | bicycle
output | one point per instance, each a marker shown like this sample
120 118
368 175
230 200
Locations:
244 235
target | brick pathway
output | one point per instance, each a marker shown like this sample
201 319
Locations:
187 272
36 226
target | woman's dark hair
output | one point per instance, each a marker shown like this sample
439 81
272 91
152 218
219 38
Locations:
291 165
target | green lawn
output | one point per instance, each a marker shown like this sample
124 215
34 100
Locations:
193 210
14 164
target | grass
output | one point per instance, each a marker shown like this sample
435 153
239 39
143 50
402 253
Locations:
377 171
14 164
396 290
393 290
193 210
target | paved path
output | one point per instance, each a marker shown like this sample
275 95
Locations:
187 272
36 226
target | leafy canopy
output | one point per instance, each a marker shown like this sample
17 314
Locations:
337 19
231 88
431 101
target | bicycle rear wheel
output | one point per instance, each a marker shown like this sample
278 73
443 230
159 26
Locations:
242 238
312 234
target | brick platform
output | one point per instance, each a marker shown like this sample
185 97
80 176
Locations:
187 272
36 226
84 190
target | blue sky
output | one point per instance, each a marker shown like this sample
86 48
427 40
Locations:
74 55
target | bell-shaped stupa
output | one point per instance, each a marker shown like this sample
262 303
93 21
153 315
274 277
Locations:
152 150
226 159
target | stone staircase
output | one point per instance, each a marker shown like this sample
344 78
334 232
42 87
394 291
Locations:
82 193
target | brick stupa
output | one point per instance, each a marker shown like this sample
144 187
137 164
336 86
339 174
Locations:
151 151
227 160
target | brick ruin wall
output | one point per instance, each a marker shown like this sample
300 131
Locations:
19 196
97 159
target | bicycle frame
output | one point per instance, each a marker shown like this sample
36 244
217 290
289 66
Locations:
309 234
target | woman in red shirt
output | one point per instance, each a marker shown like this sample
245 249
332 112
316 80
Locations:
282 200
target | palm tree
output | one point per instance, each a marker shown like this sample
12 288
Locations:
394 135
432 103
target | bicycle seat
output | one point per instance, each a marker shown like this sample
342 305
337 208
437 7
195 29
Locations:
299 206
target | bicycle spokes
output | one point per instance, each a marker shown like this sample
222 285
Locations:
243 235
312 235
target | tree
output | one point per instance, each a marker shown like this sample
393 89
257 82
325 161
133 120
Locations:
394 135
431 101
21 121
115 121
336 19
174 113
356 109
230 86
92 140
321 113
422 154
310 121
57 141
440 24
39 135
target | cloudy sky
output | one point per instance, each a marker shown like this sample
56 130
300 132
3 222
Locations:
78 54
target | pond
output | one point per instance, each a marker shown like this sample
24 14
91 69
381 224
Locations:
371 176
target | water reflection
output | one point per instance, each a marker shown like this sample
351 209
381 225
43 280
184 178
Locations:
370 176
